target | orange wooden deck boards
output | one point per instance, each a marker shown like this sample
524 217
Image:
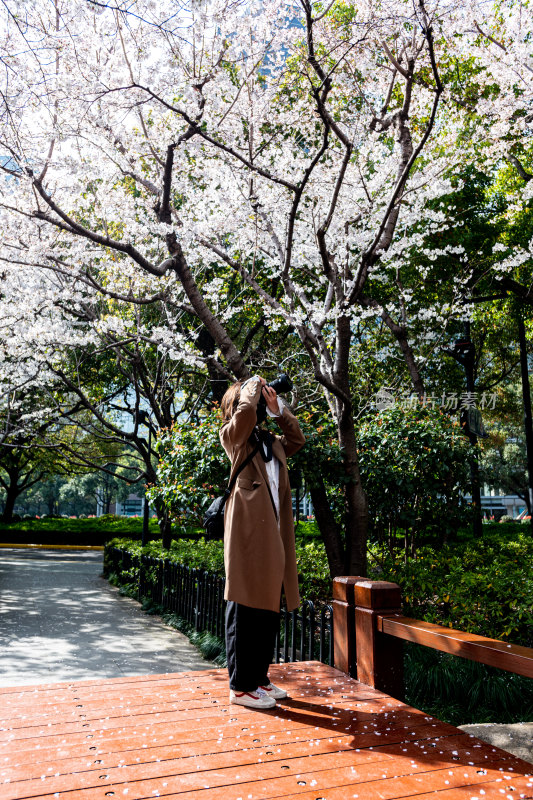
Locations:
176 736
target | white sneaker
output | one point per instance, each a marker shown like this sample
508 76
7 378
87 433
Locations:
274 691
256 699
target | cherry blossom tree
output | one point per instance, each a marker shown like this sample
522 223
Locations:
210 155
23 461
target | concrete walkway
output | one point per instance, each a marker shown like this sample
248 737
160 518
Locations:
61 621
516 739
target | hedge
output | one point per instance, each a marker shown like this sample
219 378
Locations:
483 587
315 583
478 586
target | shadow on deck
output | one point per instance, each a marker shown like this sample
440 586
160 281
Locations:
176 736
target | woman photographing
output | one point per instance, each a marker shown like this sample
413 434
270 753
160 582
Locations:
259 551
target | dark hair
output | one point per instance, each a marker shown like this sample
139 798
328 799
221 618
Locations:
230 401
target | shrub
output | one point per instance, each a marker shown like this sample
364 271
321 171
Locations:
414 466
306 529
460 691
478 586
483 587
315 583
192 469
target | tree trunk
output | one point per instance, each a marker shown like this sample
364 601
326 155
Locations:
165 524
523 495
356 513
12 492
329 530
51 501
165 527
400 332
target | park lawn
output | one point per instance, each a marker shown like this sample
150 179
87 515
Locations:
72 530
65 531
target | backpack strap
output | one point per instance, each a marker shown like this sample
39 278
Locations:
246 461
231 484
264 439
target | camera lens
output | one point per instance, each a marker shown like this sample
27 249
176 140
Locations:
281 384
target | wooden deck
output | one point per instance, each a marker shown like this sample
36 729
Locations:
176 736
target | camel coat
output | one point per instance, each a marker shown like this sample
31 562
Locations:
259 555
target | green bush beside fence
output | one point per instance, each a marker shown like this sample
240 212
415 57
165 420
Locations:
483 587
191 598
480 586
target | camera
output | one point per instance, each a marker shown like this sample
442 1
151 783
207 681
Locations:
281 384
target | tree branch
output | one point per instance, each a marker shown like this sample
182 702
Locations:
527 176
197 130
71 226
202 310
386 229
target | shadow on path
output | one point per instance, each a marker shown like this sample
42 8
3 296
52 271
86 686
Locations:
61 621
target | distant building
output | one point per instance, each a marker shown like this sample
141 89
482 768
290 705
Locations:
133 506
306 506
495 503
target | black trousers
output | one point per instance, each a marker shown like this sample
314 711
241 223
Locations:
250 639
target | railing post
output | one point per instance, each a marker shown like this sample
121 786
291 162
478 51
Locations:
344 650
379 657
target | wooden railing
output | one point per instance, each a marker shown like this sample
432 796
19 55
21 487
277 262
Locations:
369 629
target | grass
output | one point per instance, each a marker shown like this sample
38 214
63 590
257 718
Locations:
306 529
71 531
463 692
131 527
108 523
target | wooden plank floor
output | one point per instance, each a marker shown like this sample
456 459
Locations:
176 736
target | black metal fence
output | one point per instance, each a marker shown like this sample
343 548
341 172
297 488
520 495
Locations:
305 634
197 596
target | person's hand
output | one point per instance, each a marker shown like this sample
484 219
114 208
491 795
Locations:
270 396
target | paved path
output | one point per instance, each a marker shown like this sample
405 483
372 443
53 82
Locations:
516 739
61 621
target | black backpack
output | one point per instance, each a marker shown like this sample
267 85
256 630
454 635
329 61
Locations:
214 516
